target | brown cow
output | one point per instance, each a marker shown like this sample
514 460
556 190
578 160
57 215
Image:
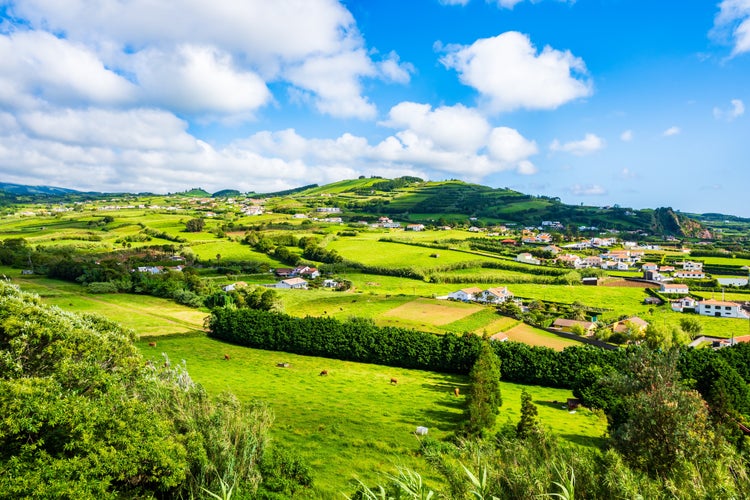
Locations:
324 372
152 344
226 357
455 391
394 381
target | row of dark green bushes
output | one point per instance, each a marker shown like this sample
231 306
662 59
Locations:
721 376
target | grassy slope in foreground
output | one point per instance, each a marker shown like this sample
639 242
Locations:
353 422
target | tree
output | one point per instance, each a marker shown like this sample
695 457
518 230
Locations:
484 398
528 426
691 326
660 425
663 337
194 225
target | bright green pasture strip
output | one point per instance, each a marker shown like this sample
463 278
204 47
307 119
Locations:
496 274
341 305
144 314
387 254
353 422
484 320
231 250
724 261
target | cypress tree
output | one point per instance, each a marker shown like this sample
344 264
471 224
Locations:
484 398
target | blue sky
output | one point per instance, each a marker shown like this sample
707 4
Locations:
601 102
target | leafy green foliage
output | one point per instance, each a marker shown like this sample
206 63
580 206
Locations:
529 425
195 225
484 400
84 417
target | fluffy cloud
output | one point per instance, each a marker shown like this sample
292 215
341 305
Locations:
737 110
209 57
509 72
37 65
137 150
195 79
587 190
671 131
626 136
733 23
589 144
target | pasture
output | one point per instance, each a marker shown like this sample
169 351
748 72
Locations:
354 422
147 316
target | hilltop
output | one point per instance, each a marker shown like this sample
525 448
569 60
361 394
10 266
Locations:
415 200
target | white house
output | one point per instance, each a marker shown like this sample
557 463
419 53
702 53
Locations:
720 308
684 303
689 265
592 261
295 283
695 275
414 227
496 295
466 294
649 266
570 260
527 258
674 288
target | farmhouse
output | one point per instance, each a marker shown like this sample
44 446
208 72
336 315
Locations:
674 288
496 295
626 324
570 260
306 271
689 265
414 227
295 283
684 303
567 325
466 294
695 275
527 258
592 261
234 286
649 266
721 308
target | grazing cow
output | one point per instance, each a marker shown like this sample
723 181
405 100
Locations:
226 357
152 344
324 372
394 381
455 391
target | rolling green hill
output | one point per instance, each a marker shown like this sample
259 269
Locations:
413 199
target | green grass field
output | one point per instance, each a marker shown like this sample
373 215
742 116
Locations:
151 316
353 423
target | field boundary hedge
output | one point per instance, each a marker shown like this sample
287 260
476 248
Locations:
361 341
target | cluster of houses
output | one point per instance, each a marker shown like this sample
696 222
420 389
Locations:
710 307
621 260
690 270
496 295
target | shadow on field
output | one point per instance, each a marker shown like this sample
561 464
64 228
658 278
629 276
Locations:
558 405
446 387
593 442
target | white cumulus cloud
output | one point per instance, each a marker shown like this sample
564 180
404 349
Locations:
674 130
589 144
510 73
736 110
38 65
587 190
626 136
732 23
210 57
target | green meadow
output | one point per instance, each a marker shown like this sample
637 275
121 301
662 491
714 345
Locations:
353 423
